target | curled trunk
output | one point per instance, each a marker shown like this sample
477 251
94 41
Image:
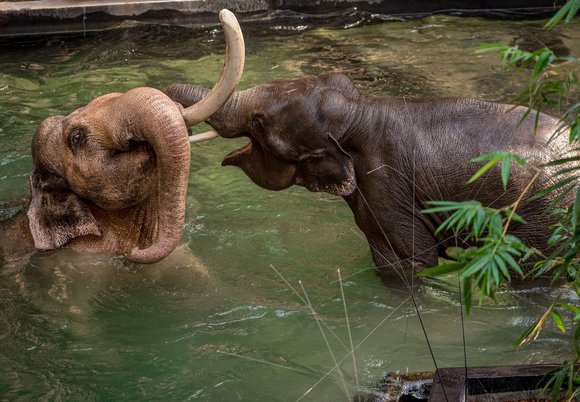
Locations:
152 110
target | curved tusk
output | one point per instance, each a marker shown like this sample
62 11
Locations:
208 135
231 73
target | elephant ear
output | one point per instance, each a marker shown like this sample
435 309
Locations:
55 214
330 170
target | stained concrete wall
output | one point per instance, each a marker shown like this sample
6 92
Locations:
64 16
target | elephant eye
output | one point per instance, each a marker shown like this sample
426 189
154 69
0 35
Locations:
258 124
76 138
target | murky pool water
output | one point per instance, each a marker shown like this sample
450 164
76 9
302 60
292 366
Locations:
225 324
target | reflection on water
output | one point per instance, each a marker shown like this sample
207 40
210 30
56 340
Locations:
218 322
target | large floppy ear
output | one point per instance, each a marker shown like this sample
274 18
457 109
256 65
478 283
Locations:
56 215
330 170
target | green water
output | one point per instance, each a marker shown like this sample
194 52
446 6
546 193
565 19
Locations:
218 322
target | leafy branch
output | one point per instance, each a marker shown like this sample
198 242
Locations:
487 265
494 255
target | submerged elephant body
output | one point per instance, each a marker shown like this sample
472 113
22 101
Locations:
385 157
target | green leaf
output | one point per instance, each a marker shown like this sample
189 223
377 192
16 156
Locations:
502 266
441 269
484 169
475 265
556 201
543 59
453 252
558 320
510 260
448 206
506 164
570 307
567 170
562 161
490 47
519 160
495 226
526 334
478 222
553 187
576 214
488 157
567 12
517 218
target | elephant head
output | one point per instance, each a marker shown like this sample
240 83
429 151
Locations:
293 127
112 176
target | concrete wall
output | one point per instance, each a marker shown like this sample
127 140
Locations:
62 16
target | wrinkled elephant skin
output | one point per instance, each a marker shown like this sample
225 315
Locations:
111 177
386 157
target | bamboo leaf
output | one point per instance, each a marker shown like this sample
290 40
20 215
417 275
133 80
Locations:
519 160
553 187
490 47
447 206
495 225
450 222
506 164
570 307
510 260
484 169
525 337
555 202
517 218
543 59
441 269
562 161
558 320
502 266
494 269
453 252
474 266
576 214
488 157
567 12
478 222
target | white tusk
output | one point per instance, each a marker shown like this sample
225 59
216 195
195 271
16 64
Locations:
231 73
208 135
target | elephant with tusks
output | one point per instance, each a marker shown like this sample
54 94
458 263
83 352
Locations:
387 157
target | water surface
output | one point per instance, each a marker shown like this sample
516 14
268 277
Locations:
218 322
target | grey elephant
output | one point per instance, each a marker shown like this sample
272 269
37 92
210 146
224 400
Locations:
111 177
386 157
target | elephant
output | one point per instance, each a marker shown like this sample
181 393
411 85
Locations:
386 157
111 177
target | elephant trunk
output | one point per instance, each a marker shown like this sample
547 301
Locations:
185 94
173 151
168 136
226 120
